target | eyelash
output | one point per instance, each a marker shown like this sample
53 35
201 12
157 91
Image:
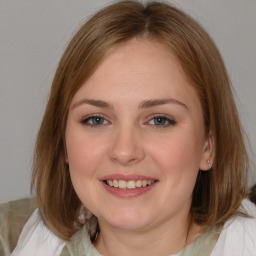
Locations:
85 121
171 122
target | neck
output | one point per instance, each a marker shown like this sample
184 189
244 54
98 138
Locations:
165 239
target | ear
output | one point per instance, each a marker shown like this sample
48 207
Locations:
208 153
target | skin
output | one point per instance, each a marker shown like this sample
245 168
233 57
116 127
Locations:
129 140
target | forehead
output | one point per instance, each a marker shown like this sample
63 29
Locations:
138 69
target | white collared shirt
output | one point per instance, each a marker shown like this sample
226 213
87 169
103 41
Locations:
237 238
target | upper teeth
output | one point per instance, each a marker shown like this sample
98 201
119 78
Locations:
129 184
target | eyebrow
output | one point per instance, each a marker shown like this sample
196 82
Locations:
157 102
144 104
96 103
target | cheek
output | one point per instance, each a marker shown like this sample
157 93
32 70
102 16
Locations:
78 155
179 155
178 160
84 154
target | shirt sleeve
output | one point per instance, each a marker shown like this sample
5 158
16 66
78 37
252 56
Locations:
37 240
238 236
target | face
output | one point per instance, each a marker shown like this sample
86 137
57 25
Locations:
135 138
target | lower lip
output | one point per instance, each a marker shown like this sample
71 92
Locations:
128 193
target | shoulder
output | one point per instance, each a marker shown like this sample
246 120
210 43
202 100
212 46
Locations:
37 240
238 236
13 216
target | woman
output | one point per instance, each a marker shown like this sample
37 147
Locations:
140 151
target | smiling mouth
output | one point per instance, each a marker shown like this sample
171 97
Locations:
130 184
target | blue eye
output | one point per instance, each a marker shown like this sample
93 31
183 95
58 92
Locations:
161 121
94 121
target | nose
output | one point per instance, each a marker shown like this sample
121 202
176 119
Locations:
127 146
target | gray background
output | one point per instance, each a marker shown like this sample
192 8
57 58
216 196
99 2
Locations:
33 35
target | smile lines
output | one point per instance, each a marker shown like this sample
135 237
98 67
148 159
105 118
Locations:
131 184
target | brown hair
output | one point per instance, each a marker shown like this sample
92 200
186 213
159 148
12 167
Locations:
218 192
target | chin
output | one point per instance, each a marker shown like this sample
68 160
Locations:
128 220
